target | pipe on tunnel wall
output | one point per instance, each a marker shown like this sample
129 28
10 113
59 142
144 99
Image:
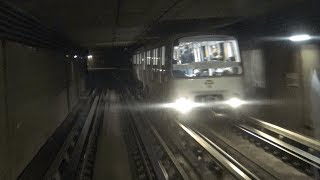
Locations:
33 101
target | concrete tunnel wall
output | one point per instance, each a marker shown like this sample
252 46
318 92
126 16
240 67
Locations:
278 74
41 88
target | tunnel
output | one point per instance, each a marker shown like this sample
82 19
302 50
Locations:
159 89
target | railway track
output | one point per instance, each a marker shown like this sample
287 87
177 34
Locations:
76 156
228 162
151 157
276 152
162 147
300 151
49 153
185 152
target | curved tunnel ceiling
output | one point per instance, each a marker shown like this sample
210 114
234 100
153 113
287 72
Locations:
123 22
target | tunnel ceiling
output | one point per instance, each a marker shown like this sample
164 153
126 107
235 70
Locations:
122 22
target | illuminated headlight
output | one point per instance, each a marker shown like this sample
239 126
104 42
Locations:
300 37
183 105
235 102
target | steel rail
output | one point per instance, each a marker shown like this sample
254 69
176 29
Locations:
140 147
54 170
294 151
167 151
170 154
304 140
90 151
230 164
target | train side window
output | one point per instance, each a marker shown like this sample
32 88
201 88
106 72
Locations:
163 55
154 57
148 57
151 64
157 57
151 57
144 60
134 59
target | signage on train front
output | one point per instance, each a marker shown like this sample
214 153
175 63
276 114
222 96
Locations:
209 83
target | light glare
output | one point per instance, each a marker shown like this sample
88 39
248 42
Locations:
235 102
90 56
301 37
183 105
75 56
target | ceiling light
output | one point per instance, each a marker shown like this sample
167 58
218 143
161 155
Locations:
75 56
90 56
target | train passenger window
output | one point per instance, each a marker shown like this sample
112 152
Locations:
148 57
158 56
134 59
143 60
163 51
152 57
206 58
155 56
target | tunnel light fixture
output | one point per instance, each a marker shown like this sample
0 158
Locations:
75 56
90 56
300 37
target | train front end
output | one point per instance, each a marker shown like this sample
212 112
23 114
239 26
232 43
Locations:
207 73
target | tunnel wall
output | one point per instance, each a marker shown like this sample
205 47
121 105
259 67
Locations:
42 87
4 168
310 62
284 97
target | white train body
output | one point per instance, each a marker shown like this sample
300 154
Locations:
204 70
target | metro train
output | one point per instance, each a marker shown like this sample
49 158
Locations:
191 71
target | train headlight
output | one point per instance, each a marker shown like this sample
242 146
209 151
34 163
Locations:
183 105
235 102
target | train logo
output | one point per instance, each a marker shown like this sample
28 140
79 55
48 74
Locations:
209 83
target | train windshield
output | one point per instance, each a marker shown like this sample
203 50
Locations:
205 58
